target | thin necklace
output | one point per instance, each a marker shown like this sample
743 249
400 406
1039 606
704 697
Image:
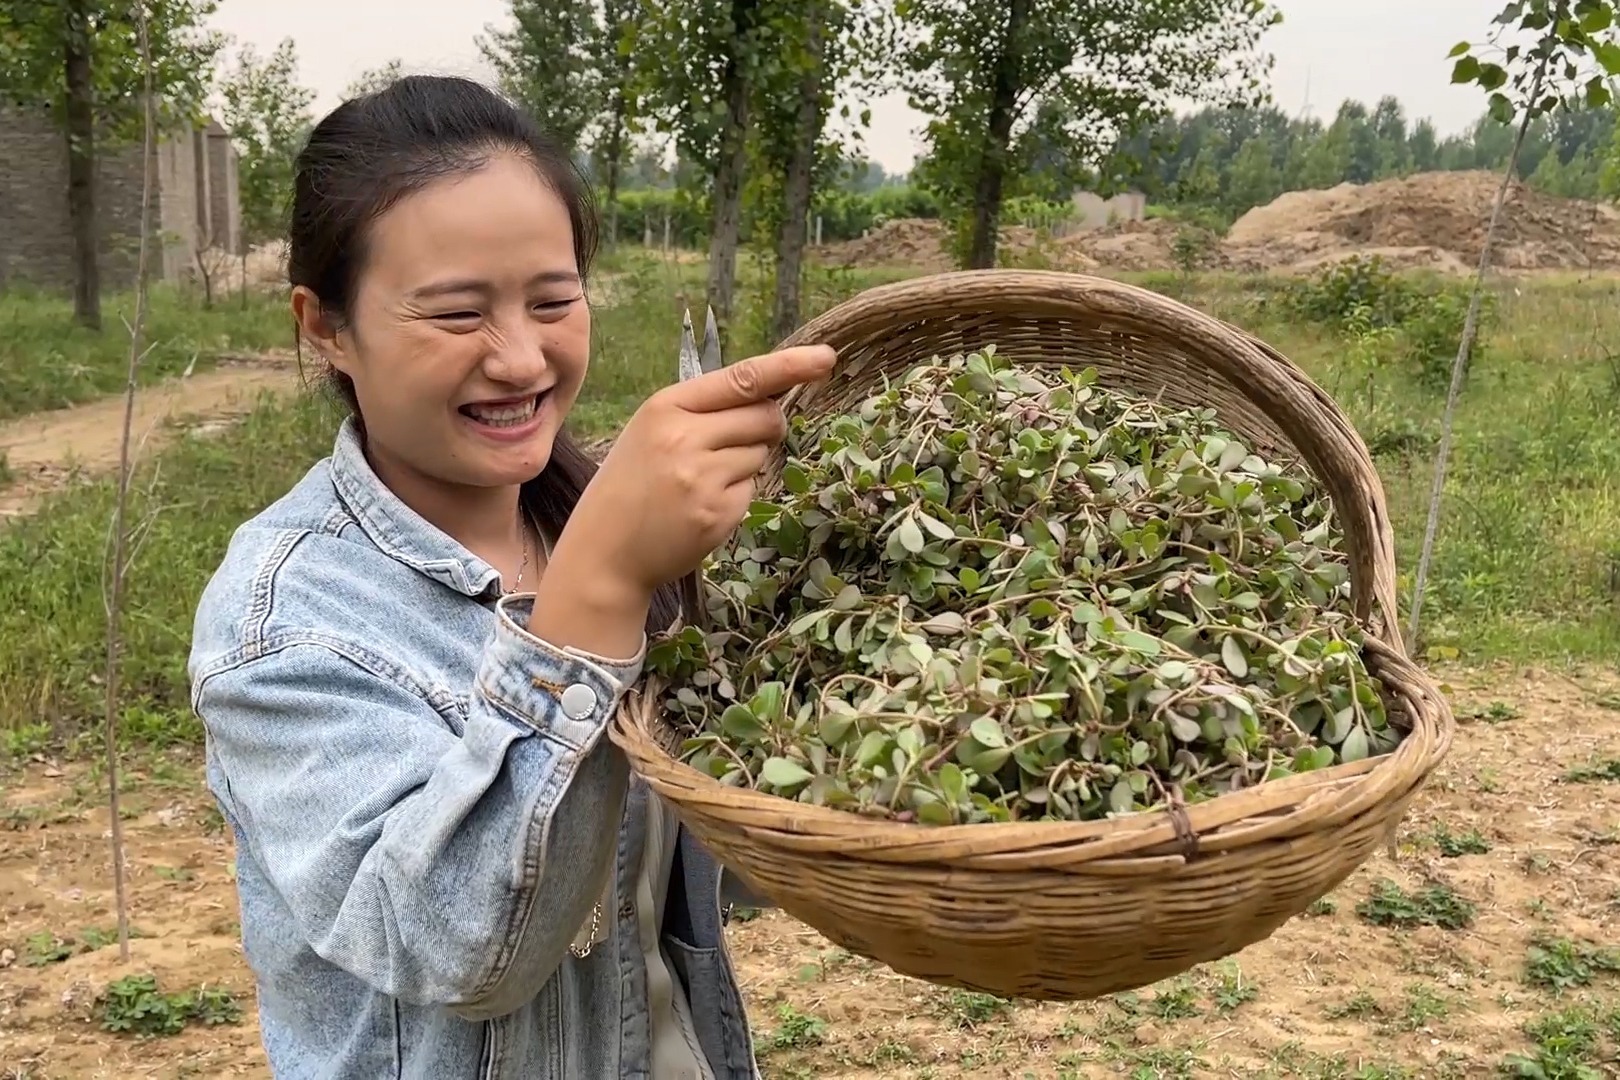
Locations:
524 567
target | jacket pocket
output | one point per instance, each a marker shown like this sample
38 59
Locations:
717 1012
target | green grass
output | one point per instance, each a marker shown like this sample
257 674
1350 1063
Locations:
1528 563
46 362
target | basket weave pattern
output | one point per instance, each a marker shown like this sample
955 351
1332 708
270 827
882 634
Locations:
1064 911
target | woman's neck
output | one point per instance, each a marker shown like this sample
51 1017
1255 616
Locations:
486 521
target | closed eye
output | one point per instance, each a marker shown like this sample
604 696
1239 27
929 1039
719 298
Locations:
455 316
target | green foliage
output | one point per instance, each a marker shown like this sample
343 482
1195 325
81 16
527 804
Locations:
1523 570
1560 963
555 60
1437 905
853 41
34 36
892 633
1567 1045
1359 286
1570 62
46 362
266 111
1361 294
645 209
373 79
1225 162
686 48
1005 89
845 215
134 1005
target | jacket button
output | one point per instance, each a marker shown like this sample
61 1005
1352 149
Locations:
578 701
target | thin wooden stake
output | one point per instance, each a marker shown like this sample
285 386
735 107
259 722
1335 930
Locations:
115 589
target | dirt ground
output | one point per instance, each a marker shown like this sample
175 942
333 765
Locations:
1535 850
45 450
1430 221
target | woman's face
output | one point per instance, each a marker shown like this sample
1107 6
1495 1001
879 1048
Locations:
470 334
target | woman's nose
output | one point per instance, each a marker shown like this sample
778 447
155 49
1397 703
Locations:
517 354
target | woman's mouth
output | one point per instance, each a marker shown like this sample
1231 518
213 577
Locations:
514 418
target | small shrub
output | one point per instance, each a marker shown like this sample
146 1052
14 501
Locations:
1437 905
134 1005
1359 285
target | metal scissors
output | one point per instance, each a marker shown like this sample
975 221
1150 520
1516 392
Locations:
693 364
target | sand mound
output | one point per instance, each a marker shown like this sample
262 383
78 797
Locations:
1430 221
1141 245
921 244
1433 220
899 242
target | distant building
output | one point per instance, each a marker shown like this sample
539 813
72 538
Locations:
1094 212
196 203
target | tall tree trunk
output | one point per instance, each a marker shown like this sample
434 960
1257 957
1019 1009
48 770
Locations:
615 154
799 186
81 193
993 165
726 219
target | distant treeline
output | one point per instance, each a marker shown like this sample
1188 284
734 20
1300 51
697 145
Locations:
1213 165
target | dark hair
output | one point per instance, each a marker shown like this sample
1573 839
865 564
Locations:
371 151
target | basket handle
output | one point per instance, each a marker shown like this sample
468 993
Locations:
1300 410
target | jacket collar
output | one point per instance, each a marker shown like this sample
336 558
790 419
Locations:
396 529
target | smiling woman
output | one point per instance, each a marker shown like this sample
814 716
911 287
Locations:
405 665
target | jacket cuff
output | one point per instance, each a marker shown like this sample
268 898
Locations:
567 694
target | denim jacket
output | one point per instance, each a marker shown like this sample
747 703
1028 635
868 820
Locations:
421 795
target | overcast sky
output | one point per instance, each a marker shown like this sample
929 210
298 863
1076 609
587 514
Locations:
1326 51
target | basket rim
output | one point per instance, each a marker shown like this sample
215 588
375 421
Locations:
1307 802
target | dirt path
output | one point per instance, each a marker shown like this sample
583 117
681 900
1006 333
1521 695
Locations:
44 451
1517 840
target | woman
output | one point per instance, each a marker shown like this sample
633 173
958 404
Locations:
405 665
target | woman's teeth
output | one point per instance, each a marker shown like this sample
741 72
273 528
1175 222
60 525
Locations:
503 415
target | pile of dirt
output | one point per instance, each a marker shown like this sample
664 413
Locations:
898 242
921 244
1434 220
1137 246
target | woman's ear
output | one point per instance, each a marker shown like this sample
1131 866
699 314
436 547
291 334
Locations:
319 328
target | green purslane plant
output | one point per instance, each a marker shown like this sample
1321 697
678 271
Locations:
991 593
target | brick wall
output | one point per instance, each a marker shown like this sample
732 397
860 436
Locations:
35 236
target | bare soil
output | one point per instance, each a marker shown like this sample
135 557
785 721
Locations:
1432 221
1329 996
920 245
45 451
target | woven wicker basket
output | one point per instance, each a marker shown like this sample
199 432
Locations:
1055 911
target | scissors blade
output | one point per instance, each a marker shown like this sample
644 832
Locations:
711 345
690 366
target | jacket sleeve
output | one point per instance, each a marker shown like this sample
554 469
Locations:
440 870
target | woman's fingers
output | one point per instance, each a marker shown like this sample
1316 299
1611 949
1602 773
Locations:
737 464
761 423
755 379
